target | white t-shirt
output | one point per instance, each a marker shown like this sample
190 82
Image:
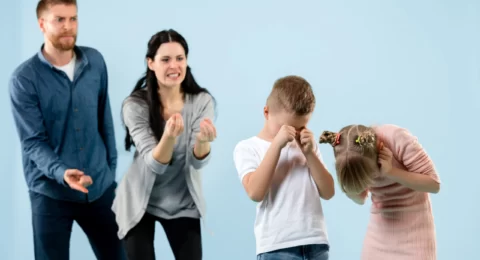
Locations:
69 68
291 213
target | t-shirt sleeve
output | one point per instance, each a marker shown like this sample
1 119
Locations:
246 159
411 154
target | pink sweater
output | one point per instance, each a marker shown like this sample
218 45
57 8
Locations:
401 226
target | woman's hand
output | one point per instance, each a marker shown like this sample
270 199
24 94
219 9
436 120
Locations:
174 126
207 133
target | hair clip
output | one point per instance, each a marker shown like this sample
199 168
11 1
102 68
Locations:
337 139
358 140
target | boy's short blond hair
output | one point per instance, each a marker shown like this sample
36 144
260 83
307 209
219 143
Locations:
292 94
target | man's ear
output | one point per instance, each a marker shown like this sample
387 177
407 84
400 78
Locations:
41 24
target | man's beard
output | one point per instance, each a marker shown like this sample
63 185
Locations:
63 46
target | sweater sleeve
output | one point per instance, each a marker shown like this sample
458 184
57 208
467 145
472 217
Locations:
412 155
204 108
136 120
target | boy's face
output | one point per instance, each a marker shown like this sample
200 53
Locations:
276 119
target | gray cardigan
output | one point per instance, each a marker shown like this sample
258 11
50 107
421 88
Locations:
134 190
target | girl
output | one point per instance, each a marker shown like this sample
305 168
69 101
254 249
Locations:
388 162
168 117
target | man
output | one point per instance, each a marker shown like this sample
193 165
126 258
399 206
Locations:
62 113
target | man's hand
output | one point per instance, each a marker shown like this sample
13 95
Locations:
77 180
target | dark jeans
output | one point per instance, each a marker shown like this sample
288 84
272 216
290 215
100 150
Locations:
53 220
183 234
307 252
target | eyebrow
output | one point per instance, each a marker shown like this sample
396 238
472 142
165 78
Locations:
65 17
166 56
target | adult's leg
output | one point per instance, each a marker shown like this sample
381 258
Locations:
52 222
97 220
185 237
291 253
139 240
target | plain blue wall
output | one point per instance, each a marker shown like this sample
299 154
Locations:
411 63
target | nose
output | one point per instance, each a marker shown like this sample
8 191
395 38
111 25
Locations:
69 25
173 63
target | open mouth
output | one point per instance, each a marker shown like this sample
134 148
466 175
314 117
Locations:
173 75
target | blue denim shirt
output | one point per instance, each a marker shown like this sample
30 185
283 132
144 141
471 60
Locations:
64 125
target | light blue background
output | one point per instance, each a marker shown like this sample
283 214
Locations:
411 63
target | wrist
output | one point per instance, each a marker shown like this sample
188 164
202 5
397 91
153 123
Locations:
275 146
201 142
310 155
391 172
168 138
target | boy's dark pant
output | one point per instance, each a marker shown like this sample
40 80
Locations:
53 220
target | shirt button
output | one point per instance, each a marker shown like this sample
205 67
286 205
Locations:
77 129
81 148
76 110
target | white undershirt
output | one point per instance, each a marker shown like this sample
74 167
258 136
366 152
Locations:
291 213
69 68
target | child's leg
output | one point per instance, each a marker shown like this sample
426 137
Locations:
292 253
317 252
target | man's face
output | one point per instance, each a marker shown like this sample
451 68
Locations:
59 25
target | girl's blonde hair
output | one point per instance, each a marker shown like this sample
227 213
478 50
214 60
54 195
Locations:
356 154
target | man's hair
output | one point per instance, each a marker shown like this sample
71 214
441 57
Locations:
43 5
292 94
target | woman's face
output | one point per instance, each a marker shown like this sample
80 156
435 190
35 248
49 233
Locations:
169 64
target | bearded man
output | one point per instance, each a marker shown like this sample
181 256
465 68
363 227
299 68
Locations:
61 108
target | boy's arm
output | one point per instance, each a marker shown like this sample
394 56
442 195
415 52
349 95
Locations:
256 175
322 177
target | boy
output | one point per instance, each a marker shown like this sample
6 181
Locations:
281 168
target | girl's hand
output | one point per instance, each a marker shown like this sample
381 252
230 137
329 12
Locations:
385 156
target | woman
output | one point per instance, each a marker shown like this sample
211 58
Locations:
388 162
168 118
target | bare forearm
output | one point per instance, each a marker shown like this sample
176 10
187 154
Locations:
163 152
414 181
201 150
323 179
258 182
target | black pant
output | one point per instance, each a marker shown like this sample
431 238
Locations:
183 234
53 220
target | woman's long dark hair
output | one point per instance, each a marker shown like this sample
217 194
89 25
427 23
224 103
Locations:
149 81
